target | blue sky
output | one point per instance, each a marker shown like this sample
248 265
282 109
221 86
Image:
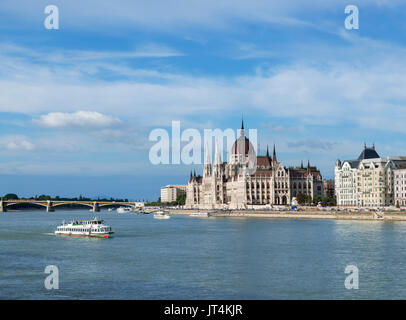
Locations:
77 104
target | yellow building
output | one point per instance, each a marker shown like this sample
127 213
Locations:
170 193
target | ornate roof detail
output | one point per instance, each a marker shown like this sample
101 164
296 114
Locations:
368 153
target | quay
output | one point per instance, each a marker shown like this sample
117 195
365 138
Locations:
304 214
50 205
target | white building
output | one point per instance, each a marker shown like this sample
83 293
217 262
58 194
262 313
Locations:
248 180
400 186
367 181
170 193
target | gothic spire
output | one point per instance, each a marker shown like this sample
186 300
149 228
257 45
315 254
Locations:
207 162
267 151
207 155
274 154
217 157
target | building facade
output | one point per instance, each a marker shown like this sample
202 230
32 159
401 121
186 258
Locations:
170 193
367 181
400 186
328 188
249 180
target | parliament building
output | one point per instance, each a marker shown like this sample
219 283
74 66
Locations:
248 180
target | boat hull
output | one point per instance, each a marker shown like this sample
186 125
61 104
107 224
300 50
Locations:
161 217
78 235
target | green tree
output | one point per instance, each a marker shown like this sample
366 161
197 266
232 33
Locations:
44 197
10 196
181 199
301 198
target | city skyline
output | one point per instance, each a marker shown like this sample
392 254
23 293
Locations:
75 103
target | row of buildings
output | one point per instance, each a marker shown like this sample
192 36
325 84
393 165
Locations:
371 181
248 180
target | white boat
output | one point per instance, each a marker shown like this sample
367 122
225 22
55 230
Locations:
85 228
161 215
124 209
200 214
110 209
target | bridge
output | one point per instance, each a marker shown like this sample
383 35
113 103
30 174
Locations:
50 205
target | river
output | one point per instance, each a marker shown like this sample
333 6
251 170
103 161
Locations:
201 258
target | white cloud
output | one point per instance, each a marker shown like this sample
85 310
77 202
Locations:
82 119
16 143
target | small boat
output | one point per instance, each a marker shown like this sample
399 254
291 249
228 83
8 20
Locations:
200 214
110 209
161 215
124 210
85 228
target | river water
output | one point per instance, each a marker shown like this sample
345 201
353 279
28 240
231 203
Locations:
201 258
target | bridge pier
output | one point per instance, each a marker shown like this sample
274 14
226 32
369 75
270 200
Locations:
49 207
96 207
3 205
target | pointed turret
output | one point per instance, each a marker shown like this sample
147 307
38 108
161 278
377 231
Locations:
274 154
301 164
267 151
217 157
207 162
217 162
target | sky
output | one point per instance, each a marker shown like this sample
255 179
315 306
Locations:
77 104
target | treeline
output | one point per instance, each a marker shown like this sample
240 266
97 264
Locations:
325 201
180 201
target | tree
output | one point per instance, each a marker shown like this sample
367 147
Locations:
44 197
301 198
316 199
10 196
181 199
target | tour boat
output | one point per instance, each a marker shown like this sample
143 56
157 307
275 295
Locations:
124 209
200 214
161 215
85 228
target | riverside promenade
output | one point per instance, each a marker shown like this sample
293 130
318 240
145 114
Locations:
302 214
